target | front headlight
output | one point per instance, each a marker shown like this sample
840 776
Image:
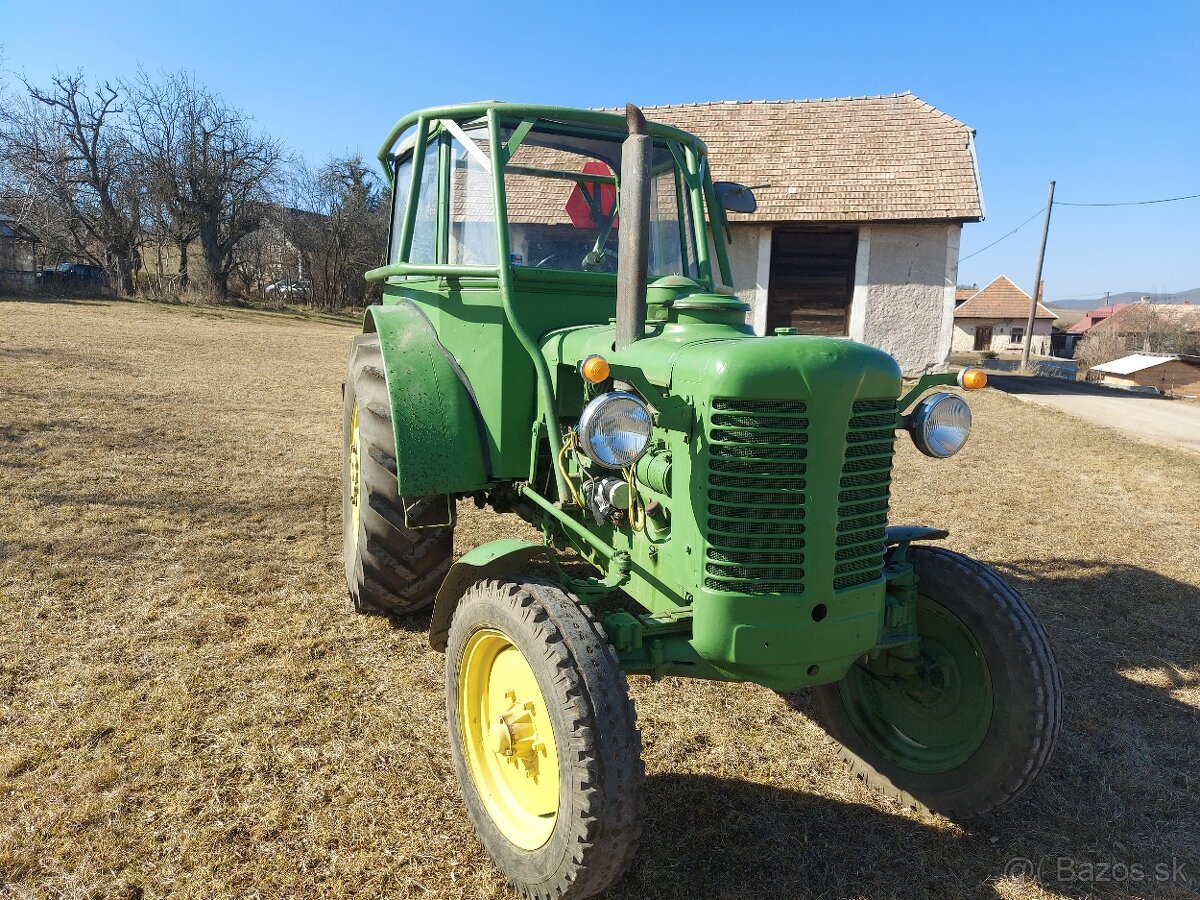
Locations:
940 424
614 429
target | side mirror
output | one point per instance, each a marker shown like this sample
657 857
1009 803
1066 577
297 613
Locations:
735 197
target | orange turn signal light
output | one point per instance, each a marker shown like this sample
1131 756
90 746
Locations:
972 379
594 369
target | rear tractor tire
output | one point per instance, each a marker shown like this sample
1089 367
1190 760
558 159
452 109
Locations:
979 725
393 565
544 738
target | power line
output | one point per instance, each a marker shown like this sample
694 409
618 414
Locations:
1132 202
1064 203
999 239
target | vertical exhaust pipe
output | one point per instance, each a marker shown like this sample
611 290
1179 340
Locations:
634 239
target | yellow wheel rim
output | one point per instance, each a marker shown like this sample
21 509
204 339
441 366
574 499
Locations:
507 739
355 474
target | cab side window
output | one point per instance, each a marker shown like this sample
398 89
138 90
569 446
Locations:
401 179
472 208
424 238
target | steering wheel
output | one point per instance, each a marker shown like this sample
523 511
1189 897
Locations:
603 261
607 262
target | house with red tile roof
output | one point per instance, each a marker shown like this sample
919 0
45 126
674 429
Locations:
1094 317
995 318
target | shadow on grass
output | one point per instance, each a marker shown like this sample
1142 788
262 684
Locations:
714 837
1122 786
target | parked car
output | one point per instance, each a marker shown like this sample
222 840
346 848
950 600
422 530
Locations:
285 287
73 276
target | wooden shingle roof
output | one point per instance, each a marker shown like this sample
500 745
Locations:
859 159
1000 300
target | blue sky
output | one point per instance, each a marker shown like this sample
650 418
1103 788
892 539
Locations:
1104 97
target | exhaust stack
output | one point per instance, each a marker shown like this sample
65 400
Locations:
634 239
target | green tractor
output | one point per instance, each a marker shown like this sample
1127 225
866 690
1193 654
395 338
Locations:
556 338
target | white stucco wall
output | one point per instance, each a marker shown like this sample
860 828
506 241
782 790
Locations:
905 299
904 282
964 335
750 266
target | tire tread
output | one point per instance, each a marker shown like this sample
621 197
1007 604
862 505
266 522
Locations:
604 746
1040 680
392 568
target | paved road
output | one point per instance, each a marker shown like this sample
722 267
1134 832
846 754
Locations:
1175 423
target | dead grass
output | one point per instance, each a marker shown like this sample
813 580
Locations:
186 709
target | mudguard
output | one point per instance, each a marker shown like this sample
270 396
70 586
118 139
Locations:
492 560
441 444
904 534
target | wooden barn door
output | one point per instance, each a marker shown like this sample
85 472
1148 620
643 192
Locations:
812 280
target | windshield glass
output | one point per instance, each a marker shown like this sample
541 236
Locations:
562 193
563 201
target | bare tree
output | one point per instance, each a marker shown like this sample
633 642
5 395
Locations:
172 225
338 223
1138 328
1149 328
216 169
1099 345
72 168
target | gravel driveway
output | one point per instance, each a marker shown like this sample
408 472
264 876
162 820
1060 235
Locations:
1175 423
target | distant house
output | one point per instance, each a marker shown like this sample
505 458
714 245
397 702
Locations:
1094 317
1169 374
995 319
861 203
18 255
1150 326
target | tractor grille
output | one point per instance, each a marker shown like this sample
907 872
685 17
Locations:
756 482
863 493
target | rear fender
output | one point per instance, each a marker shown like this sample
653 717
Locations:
441 441
492 560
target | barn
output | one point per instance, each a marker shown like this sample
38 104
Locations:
861 203
1168 374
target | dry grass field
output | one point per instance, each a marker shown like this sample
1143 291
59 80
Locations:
187 709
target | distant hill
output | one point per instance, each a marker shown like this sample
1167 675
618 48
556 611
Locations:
1190 296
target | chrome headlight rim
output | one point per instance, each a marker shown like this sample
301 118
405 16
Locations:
919 424
584 428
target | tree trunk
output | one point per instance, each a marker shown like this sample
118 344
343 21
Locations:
182 245
220 289
120 264
214 262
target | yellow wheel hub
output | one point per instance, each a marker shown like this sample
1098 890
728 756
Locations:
507 738
355 473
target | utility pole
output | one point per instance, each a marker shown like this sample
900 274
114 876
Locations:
1037 282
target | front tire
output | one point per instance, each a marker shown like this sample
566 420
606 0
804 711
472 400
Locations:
396 557
544 738
983 723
